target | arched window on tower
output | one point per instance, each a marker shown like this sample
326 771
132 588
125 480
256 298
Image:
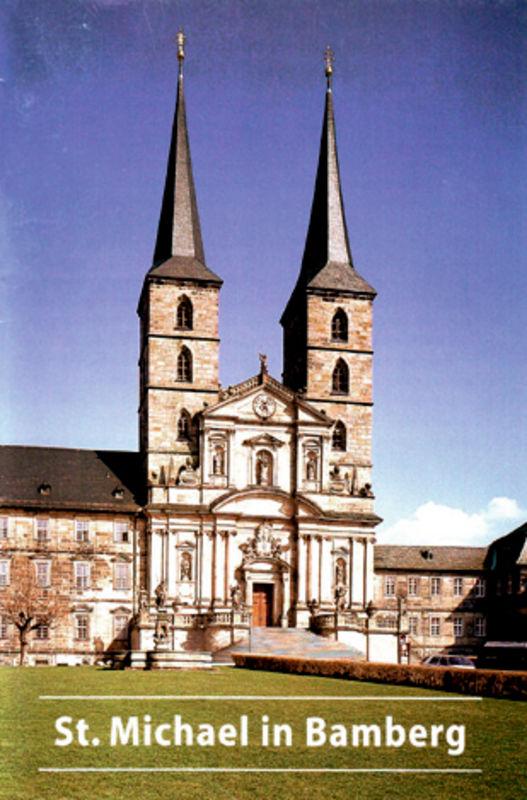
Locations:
184 314
339 326
264 468
184 426
338 441
341 380
184 366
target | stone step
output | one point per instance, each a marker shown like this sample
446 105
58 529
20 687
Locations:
294 642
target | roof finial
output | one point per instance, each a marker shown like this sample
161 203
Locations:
180 40
329 58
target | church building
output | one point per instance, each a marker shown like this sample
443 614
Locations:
258 494
249 506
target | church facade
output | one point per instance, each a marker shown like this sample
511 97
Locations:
259 495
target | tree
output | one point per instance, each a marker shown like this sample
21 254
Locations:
27 605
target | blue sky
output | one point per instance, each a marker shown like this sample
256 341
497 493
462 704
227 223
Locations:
430 101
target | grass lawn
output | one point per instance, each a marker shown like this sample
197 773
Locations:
495 739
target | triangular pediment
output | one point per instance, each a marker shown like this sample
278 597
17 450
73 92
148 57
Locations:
263 440
264 399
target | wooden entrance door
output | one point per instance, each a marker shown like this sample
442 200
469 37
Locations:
262 605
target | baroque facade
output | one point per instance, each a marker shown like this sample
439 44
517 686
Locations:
250 505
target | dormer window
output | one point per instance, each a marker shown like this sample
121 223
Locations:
44 489
184 314
339 326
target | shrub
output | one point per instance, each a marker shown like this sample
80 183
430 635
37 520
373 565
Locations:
480 682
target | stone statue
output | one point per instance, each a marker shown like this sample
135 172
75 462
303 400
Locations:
263 364
313 606
161 632
311 467
187 474
366 490
218 461
340 572
143 601
161 595
236 596
185 573
340 598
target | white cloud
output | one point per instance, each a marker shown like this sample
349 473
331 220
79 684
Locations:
437 524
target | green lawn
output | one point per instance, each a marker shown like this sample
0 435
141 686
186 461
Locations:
495 739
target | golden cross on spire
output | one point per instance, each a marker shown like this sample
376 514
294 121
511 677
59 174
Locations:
329 58
180 41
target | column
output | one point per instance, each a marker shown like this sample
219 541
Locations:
326 578
172 575
156 558
357 597
226 566
350 573
302 598
369 567
309 571
219 566
206 570
198 537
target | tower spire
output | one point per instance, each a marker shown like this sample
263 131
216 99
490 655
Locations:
327 262
179 249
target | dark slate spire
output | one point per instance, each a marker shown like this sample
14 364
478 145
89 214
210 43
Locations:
327 261
179 248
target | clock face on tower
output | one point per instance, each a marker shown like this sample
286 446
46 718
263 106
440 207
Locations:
264 406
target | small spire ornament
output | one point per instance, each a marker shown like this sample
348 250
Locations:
180 41
329 58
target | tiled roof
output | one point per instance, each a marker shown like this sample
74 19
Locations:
56 477
509 550
429 559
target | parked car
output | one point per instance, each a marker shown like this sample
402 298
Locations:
460 662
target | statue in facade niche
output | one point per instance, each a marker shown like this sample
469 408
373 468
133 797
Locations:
340 572
185 572
218 461
161 595
312 467
340 598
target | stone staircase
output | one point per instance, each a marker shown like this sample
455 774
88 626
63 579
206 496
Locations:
295 642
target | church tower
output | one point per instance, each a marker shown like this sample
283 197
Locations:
327 323
178 310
